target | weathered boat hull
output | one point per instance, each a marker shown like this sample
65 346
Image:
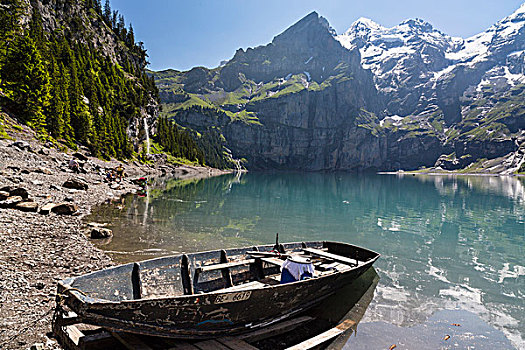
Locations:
209 314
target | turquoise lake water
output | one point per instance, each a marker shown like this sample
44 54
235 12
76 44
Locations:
453 248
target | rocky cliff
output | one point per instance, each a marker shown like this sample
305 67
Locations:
372 98
469 92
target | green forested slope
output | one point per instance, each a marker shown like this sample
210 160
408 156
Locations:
68 90
60 75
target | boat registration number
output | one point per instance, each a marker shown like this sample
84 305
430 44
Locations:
233 297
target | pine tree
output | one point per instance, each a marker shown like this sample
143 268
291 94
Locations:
9 17
26 82
107 12
121 26
98 6
114 19
130 40
74 93
55 112
80 116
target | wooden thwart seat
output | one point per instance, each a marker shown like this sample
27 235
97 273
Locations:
227 265
224 266
331 256
273 261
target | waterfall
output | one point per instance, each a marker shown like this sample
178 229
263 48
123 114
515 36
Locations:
237 165
147 135
238 171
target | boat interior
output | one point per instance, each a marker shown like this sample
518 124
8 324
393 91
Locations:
218 271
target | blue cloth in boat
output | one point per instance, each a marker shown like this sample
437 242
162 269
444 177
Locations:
296 269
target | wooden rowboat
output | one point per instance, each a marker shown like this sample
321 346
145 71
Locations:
209 294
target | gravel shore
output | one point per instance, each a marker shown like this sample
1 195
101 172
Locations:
37 250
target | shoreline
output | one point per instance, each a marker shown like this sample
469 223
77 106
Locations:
446 174
36 250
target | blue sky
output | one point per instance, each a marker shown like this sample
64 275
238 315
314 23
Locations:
182 34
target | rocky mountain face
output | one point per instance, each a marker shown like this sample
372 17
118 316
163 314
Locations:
403 59
80 24
372 98
470 91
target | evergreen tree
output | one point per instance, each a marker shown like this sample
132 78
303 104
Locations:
9 17
107 13
121 26
80 116
98 7
114 19
55 112
130 40
26 81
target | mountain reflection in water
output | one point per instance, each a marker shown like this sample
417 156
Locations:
446 242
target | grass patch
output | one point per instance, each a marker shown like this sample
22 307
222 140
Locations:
3 134
181 161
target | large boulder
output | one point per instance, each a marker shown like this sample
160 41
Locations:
27 206
46 209
65 209
43 170
19 191
44 151
7 189
22 145
4 195
100 232
11 202
76 184
80 156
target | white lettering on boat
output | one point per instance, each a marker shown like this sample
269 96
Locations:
233 297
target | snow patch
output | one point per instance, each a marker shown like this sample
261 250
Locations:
392 39
497 74
515 53
477 45
394 118
506 272
513 78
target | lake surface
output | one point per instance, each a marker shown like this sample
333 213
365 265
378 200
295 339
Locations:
453 248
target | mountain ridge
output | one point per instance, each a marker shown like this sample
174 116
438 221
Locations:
427 99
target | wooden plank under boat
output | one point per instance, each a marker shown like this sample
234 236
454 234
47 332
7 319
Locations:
211 294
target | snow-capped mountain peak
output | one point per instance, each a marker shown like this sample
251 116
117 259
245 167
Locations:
495 40
412 57
386 50
417 24
364 24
